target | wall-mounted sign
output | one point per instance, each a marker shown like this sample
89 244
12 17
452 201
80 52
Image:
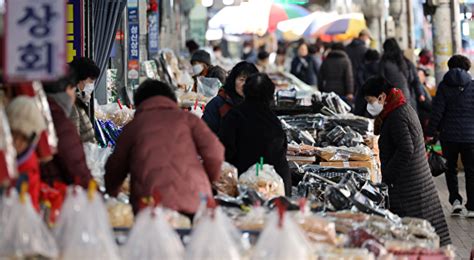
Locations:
74 29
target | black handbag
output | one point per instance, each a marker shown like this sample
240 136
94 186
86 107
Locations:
436 161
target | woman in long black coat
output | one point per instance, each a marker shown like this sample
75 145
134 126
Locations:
405 169
252 130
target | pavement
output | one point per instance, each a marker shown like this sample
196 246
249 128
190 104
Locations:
461 229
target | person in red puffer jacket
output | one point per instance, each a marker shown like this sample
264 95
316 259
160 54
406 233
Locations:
27 124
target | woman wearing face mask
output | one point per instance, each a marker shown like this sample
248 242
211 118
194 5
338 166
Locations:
229 96
202 67
405 169
87 72
26 124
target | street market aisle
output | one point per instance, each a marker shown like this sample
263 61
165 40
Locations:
460 229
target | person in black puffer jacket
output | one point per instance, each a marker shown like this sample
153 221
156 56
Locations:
335 74
405 169
453 118
368 69
303 67
252 130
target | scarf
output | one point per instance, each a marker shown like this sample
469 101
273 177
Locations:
394 100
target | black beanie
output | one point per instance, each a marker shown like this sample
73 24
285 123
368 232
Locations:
201 56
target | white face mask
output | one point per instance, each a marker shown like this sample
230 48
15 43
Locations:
375 108
197 69
89 88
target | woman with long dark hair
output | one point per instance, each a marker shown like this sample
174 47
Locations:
229 96
401 72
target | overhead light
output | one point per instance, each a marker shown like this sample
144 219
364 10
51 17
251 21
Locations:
228 2
207 3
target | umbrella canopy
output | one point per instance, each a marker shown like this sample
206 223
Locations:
255 17
344 28
294 29
283 12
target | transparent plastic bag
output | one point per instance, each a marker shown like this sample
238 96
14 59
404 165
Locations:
213 238
152 237
263 179
83 230
96 158
120 214
344 154
254 220
119 115
8 167
209 87
228 180
282 239
24 234
316 228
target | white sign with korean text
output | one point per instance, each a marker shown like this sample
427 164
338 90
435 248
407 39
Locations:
35 40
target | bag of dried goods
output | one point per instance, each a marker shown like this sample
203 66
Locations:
213 237
83 230
254 220
228 180
152 237
264 179
120 214
23 233
282 239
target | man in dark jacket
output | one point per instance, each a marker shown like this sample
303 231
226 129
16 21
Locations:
453 118
303 67
252 130
357 49
69 163
335 74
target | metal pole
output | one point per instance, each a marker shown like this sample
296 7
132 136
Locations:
442 38
456 26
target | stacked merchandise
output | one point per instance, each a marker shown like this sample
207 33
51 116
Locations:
110 119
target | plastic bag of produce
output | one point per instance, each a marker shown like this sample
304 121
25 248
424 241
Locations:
343 154
282 239
83 230
152 237
213 238
23 233
120 214
263 179
316 228
228 180
254 220
96 157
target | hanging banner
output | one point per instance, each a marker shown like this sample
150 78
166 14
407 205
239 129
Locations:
133 42
74 29
35 37
153 28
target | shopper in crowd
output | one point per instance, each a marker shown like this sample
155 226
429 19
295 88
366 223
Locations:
424 108
453 118
368 69
263 62
405 169
315 54
69 163
192 46
162 149
356 50
281 63
87 72
303 66
202 67
335 74
251 131
248 52
401 72
229 96
26 124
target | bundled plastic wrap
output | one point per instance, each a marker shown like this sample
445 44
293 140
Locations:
208 86
152 237
228 180
213 238
115 112
83 230
96 157
263 179
282 239
24 234
8 169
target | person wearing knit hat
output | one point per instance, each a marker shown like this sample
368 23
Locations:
201 61
26 124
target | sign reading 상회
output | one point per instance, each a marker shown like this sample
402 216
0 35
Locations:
35 40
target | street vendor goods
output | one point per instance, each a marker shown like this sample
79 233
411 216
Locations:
227 182
264 179
23 233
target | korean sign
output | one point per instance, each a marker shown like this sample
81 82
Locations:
35 38
74 29
133 42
